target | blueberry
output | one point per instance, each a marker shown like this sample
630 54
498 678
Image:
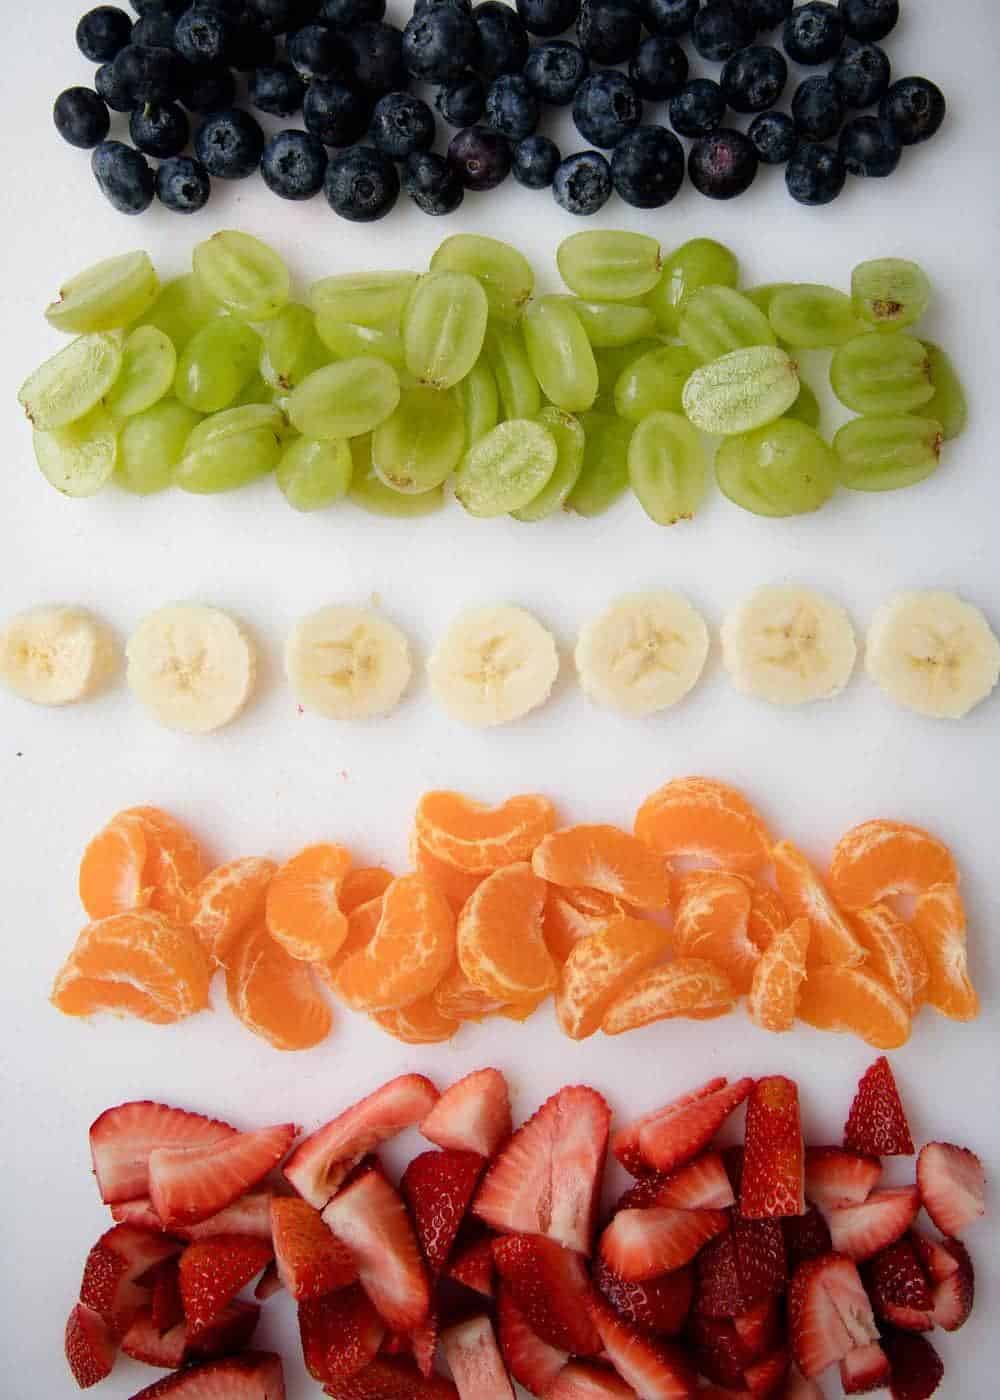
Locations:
159 129
511 107
721 29
361 184
754 78
606 106
464 6
294 165
503 39
672 18
861 73
229 144
869 146
548 17
277 89
182 185
251 46
462 102
774 137
698 108
609 30
154 31
110 89
440 44
813 33
208 89
233 8
768 14
204 34
147 75
555 70
582 184
151 7
647 167
402 124
317 52
815 174
535 162
377 54
101 33
81 117
279 16
431 183
915 108
124 177
659 68
481 158
817 109
345 14
722 164
869 19
335 112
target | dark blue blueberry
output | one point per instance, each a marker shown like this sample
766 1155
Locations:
768 14
722 164
110 89
813 33
251 46
233 8
869 146
277 89
317 52
124 177
345 14
480 157
547 18
335 112
280 16
182 185
659 68
815 174
204 34
511 107
401 124
431 183
503 39
81 117
229 144
440 44
869 19
154 31
147 75
672 18
377 55
361 184
609 30
535 162
582 184
698 108
861 73
101 33
208 89
754 78
774 136
462 102
150 7
555 70
914 108
294 164
647 167
720 29
606 106
817 109
464 6
159 129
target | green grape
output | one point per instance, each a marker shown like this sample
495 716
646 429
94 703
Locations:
520 396
570 442
609 324
444 324
421 442
763 295
181 309
604 475
79 458
291 347
372 494
613 362
231 449
883 454
699 263
609 265
948 406
151 444
149 363
244 274
742 390
667 468
364 298
217 362
108 295
654 382
716 320
813 317
504 274
313 475
69 384
507 468
890 293
479 400
347 339
344 399
806 407
257 390
784 468
889 373
560 354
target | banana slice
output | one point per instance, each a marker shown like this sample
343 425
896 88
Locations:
643 653
54 656
347 663
788 645
192 667
493 665
933 653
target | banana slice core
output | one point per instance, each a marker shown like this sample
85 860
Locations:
788 645
193 667
493 665
348 663
643 654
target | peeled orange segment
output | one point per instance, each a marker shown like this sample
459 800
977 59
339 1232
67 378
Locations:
360 885
112 868
895 954
805 897
767 915
361 925
521 1011
849 999
456 885
458 999
303 906
500 945
571 914
228 900
479 838
604 858
705 819
686 987
174 862
418 1024
939 923
710 921
275 995
882 858
413 948
774 993
602 966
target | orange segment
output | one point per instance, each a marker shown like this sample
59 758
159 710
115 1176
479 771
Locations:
476 837
456 885
705 819
848 999
605 858
710 921
174 862
767 915
572 914
805 897
895 954
419 1024
602 966
228 900
275 995
939 923
458 999
413 948
774 993
361 925
303 908
882 858
521 1011
111 871
685 987
500 945
363 884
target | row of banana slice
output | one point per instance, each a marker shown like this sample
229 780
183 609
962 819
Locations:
194 667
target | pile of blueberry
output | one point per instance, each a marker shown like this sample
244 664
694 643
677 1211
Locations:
348 72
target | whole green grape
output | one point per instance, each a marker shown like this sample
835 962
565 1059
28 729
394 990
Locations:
503 272
149 363
73 381
363 298
654 382
570 441
242 273
885 374
181 309
609 324
506 469
291 348
604 475
716 320
742 390
884 454
216 363
560 354
344 399
151 444
79 458
348 339
421 442
507 356
110 294
479 400
782 469
667 468
948 406
313 475
372 494
231 449
609 264
813 317
444 324
890 293
701 262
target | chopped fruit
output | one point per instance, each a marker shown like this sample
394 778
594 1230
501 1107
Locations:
303 907
719 1352
773 1161
699 1185
656 1370
479 838
392 1380
370 1218
457 997
112 869
895 954
767 914
188 1184
456 885
473 1115
472 1265
719 1291
438 1188
915 1366
584 1380
861 1231
936 1258
848 999
230 1331
608 859
806 1237
120 1257
710 921
413 947
828 1313
275 995
155 1346
551 1288
686 987
954 1293
138 1212
660 1304
122 1138
227 901
804 896
174 864
704 819
254 1375
362 922
599 968
213 1271
250 1215
761 1258
424 1339
898 1287
420 1023
341 1333
639 1244
882 858
761 1327
573 914
166 1305
500 945
90 1346
839 1178
532 1362
939 923
673 1135
876 1123
952 1186
864 1369
773 998
310 1260
471 1350
363 884
765 1376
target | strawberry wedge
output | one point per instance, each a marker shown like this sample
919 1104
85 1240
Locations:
369 1217
654 1369
952 1184
660 1305
472 1263
532 1362
639 1244
900 1289
773 1181
114 1265
340 1334
877 1122
665 1140
309 1259
477 1368
255 1375
828 1313
473 1115
551 1288
122 1138
438 1188
189 1184
90 1346
583 1380
861 1231
838 1178
213 1271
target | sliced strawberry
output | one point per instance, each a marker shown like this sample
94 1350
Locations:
642 1193
864 1369
475 1362
122 1138
145 1342
838 1178
936 1260
806 1237
319 1165
915 1366
90 1346
666 1139
472 1264
532 1362
229 1331
760 1328
952 1185
828 1313
250 1215
861 1231
371 1219
213 1271
139 1212
551 1288
955 1293
761 1258
764 1378
424 1342
473 1115
898 1287
660 1304
639 1244
719 1292
255 1375
189 1184
656 1370
114 1265
438 1187
876 1123
340 1333
392 1380
547 1179
584 1380
719 1351
773 1156
699 1185
309 1259
268 1284
166 1304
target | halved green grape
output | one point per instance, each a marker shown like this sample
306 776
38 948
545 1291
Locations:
347 339
667 468
216 363
699 263
79 458
244 274
507 468
604 475
507 355
181 309
372 494
444 323
888 373
149 363
365 298
654 382
560 354
742 390
505 274
609 324
614 361
716 320
69 384
609 265
421 442
570 442
783 469
948 406
110 294
151 444
883 454
313 475
479 401
813 317
231 449
291 347
763 295
344 399
890 293
806 407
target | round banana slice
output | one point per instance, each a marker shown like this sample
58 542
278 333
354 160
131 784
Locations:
55 656
493 665
347 663
788 645
192 667
933 653
643 653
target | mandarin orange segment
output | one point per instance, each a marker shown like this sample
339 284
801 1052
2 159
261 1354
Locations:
571 914
303 910
418 1024
939 923
500 944
853 1000
174 861
710 921
805 897
602 966
112 868
456 885
521 1011
458 999
413 948
362 884
476 837
767 915
361 925
707 820
686 987
228 900
774 993
608 859
274 995
895 954
882 858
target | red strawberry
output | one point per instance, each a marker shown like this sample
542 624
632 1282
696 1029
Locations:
122 1138
268 1284
145 1342
719 1292
761 1260
760 1328
532 1362
139 1212
660 1304
772 1181
699 1185
188 1184
828 1313
472 1264
861 1231
915 1365
340 1333
952 1185
864 1369
838 1178
90 1346
719 1351
319 1165
642 1193
309 1259
937 1261
119 1258
231 1330
666 1139
765 1377
424 1340
583 1380
898 1287
876 1123
371 1219
655 1370
806 1237
255 1375
166 1306
250 1215
213 1271
391 1380
955 1293
639 1244
551 1288
475 1362
547 1179
438 1188
472 1116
